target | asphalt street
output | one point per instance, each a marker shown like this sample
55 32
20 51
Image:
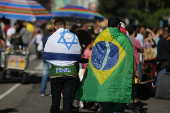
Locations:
25 98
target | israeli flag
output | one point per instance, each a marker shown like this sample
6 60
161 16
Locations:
62 48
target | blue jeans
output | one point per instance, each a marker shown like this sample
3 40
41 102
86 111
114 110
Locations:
44 78
139 69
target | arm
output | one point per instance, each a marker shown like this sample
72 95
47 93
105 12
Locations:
150 31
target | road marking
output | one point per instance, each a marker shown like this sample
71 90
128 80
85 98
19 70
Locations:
9 91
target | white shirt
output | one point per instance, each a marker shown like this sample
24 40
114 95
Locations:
11 31
38 38
140 38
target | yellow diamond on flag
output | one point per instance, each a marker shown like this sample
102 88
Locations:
107 54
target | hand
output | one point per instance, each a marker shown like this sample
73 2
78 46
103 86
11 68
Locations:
149 30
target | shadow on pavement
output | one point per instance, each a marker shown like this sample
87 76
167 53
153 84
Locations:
8 110
33 79
28 79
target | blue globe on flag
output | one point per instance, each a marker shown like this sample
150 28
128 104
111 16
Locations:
105 55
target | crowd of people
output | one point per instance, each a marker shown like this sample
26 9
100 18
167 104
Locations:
149 50
62 47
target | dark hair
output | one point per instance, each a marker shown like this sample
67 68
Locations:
139 28
131 29
74 28
113 22
60 21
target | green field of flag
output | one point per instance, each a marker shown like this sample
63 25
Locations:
110 69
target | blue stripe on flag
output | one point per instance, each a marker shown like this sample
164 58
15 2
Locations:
61 56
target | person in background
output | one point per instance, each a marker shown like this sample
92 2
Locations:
2 42
37 40
2 34
11 33
158 35
163 55
163 50
87 55
5 25
45 75
150 54
2 47
84 36
140 34
16 38
137 48
140 37
26 35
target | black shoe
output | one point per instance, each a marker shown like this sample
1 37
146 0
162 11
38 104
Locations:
140 104
94 107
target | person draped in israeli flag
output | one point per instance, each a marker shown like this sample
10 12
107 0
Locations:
62 50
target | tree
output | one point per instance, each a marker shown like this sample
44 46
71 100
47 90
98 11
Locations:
148 12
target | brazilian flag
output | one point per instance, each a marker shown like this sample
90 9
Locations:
110 69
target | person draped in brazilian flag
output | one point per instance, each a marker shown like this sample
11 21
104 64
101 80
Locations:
110 70
62 50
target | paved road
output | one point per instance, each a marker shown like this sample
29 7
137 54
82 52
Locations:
25 98
158 106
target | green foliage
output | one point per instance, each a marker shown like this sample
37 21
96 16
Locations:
149 19
147 12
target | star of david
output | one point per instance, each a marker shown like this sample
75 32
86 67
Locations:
68 44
